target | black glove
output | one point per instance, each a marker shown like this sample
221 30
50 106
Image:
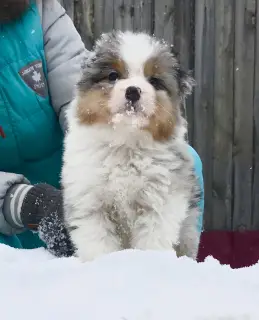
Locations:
40 201
42 211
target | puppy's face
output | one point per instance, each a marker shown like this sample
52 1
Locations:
133 80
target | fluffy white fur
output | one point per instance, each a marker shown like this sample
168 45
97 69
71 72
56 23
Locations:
123 189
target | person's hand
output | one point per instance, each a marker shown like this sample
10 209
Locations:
39 208
25 206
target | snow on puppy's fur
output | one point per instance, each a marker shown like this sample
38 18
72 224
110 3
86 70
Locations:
128 177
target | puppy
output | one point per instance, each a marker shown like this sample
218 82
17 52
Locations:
128 177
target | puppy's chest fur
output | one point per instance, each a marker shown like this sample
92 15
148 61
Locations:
124 180
137 181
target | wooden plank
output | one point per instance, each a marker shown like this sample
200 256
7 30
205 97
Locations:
204 96
69 7
61 2
103 16
98 13
184 31
83 20
119 12
223 115
164 20
129 15
243 95
124 14
143 16
108 15
255 211
184 44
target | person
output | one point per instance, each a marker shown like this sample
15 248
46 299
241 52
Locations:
40 59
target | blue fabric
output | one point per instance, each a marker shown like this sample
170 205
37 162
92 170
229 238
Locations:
198 172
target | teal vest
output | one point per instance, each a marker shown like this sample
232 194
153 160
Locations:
30 134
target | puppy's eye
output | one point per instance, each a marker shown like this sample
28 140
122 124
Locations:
113 76
157 83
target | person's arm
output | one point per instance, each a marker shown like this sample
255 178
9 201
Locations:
65 52
7 182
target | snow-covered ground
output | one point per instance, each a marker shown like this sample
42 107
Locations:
128 285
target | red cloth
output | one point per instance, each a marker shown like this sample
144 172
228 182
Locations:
237 249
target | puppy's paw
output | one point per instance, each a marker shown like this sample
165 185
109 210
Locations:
92 251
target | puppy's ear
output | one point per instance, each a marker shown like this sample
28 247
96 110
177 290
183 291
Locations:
185 81
84 82
88 59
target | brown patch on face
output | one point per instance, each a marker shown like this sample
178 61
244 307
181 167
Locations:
92 106
120 67
152 67
12 9
162 123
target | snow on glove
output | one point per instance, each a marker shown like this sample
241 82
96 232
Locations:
39 208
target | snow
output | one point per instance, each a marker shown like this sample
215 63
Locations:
127 285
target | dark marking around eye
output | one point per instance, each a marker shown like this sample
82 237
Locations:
113 76
105 74
158 84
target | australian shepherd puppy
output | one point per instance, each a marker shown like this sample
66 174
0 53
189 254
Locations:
128 177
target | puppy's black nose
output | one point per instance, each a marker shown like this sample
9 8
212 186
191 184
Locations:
132 94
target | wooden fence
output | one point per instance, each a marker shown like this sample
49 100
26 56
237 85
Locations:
218 40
